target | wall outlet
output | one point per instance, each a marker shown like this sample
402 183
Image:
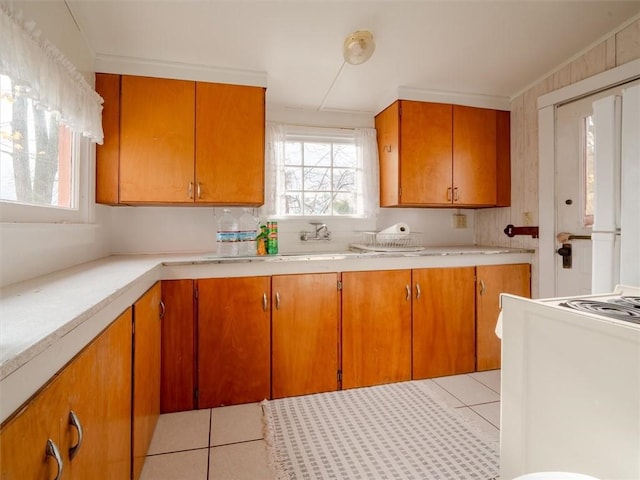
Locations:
527 218
459 220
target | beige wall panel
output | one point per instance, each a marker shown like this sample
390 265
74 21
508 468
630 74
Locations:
628 43
591 63
611 52
562 77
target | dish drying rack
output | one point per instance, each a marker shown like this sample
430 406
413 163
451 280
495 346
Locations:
388 242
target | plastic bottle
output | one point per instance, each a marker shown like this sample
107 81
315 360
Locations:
272 237
247 233
227 236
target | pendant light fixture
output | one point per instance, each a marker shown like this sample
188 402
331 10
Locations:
358 47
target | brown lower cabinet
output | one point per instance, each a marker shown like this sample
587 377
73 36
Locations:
178 378
492 280
94 389
376 327
146 374
305 327
234 340
443 321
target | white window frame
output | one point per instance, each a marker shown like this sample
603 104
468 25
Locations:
322 135
83 155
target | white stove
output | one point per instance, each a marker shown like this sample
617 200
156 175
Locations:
571 385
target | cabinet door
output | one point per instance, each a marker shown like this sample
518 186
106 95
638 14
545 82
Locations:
388 137
229 144
376 327
474 156
443 322
425 153
178 346
115 368
157 135
99 396
23 439
491 282
108 154
234 331
87 405
304 334
146 374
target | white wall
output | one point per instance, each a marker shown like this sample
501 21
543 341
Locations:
30 250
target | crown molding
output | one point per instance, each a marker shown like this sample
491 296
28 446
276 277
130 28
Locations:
177 70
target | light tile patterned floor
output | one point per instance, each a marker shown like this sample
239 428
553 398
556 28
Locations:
227 443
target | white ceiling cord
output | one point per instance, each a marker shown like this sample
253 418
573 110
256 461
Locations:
335 79
358 48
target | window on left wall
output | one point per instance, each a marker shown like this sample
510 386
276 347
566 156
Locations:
37 152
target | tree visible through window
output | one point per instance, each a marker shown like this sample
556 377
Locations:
35 151
320 177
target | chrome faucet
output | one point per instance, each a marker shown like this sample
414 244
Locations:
322 232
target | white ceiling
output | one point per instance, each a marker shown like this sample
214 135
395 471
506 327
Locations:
479 48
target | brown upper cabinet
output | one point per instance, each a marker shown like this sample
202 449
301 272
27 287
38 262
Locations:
440 155
180 142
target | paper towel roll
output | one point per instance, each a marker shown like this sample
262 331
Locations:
401 229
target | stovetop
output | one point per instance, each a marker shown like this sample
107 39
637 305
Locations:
625 307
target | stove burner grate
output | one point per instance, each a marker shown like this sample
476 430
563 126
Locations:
607 309
627 301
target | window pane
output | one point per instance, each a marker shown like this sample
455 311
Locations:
293 178
344 155
317 154
344 204
317 179
317 203
35 151
294 203
344 180
293 153
589 174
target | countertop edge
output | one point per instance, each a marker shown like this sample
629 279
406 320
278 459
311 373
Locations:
85 322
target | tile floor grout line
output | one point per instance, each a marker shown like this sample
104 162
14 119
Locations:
478 413
236 443
482 383
209 442
481 403
175 451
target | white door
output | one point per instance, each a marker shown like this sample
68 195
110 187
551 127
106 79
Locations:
574 192
572 202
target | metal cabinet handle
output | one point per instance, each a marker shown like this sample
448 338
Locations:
482 287
449 194
190 189
408 289
163 309
418 291
199 190
74 421
52 451
265 302
456 196
277 300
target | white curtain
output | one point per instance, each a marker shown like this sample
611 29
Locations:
367 152
367 167
274 198
47 76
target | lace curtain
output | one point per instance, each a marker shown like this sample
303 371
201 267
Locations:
44 74
367 166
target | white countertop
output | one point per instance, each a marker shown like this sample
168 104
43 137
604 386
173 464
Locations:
46 321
